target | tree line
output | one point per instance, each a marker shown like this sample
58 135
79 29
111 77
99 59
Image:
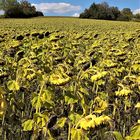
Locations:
18 9
105 12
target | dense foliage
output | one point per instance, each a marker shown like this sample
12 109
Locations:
104 11
22 9
137 17
69 79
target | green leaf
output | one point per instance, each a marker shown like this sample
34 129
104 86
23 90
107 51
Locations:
98 76
43 122
61 122
36 102
74 117
24 62
28 125
2 92
70 99
135 132
47 97
137 105
118 135
128 138
13 85
136 67
124 92
78 134
83 90
99 105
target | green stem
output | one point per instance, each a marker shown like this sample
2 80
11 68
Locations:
69 133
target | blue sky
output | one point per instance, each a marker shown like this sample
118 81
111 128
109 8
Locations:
74 7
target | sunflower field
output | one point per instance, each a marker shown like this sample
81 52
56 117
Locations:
69 79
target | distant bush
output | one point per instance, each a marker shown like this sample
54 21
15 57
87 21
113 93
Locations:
38 14
122 18
1 16
137 16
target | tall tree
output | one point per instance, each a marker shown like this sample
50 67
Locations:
137 16
104 11
27 8
127 13
6 4
15 9
115 12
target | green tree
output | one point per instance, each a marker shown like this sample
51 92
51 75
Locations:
104 11
10 7
136 17
85 14
7 4
27 8
93 11
101 11
127 13
115 12
15 9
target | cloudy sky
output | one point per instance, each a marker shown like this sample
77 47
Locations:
74 7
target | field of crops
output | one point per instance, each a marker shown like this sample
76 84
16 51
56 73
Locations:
69 79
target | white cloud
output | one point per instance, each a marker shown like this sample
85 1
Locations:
1 12
59 8
137 11
76 15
